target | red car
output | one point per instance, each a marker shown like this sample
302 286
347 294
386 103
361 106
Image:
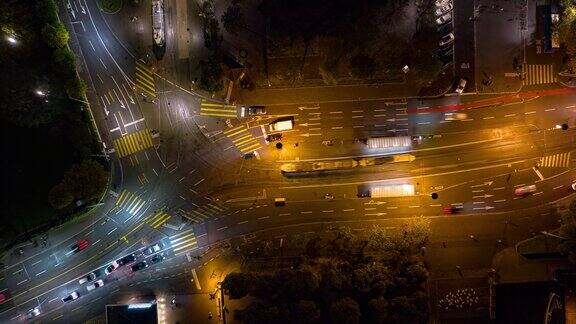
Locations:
2 298
80 245
452 209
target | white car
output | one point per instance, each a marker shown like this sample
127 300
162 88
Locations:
455 116
152 249
444 19
461 86
446 39
89 277
74 295
444 9
115 265
96 284
573 185
525 190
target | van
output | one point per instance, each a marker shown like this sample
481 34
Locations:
281 125
279 202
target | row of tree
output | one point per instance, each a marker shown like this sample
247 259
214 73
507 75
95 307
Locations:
377 277
566 28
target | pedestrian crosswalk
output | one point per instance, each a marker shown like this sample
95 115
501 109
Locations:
132 143
129 202
198 215
218 110
183 242
243 139
145 78
538 74
560 160
158 219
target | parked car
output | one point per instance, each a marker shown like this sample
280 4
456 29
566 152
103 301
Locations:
152 249
525 190
113 266
129 258
96 284
461 86
573 186
444 19
139 266
79 246
157 258
120 262
444 29
74 295
446 39
2 298
89 277
273 137
250 155
440 10
455 116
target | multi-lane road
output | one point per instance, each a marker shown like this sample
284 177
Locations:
178 176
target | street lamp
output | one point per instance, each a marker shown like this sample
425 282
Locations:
40 93
11 39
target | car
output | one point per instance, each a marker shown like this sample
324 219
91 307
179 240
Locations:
113 266
440 10
279 202
250 155
252 110
455 116
157 258
79 246
444 19
152 249
452 209
89 277
573 186
282 124
95 284
329 196
446 40
139 266
440 3
525 190
444 29
129 258
33 313
2 298
273 137
461 86
74 295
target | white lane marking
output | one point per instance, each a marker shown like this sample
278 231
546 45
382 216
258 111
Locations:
112 231
538 173
358 126
414 206
104 65
305 212
356 116
313 129
285 214
499 200
200 181
436 205
242 222
41 272
550 109
499 188
478 202
263 217
379 109
92 45
357 111
372 208
222 228
510 115
489 117
538 193
376 214
35 263
558 187
328 211
381 115
391 207
479 190
53 299
335 112
530 112
379 125
348 210
21 282
424 123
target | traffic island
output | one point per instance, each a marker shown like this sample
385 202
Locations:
110 6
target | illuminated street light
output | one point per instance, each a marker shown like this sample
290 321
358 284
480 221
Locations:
40 93
11 39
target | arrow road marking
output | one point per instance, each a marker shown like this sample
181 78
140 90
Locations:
487 183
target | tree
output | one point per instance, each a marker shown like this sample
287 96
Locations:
568 230
238 284
55 36
345 311
211 76
60 196
75 88
233 19
306 312
86 180
296 284
260 313
362 66
378 310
